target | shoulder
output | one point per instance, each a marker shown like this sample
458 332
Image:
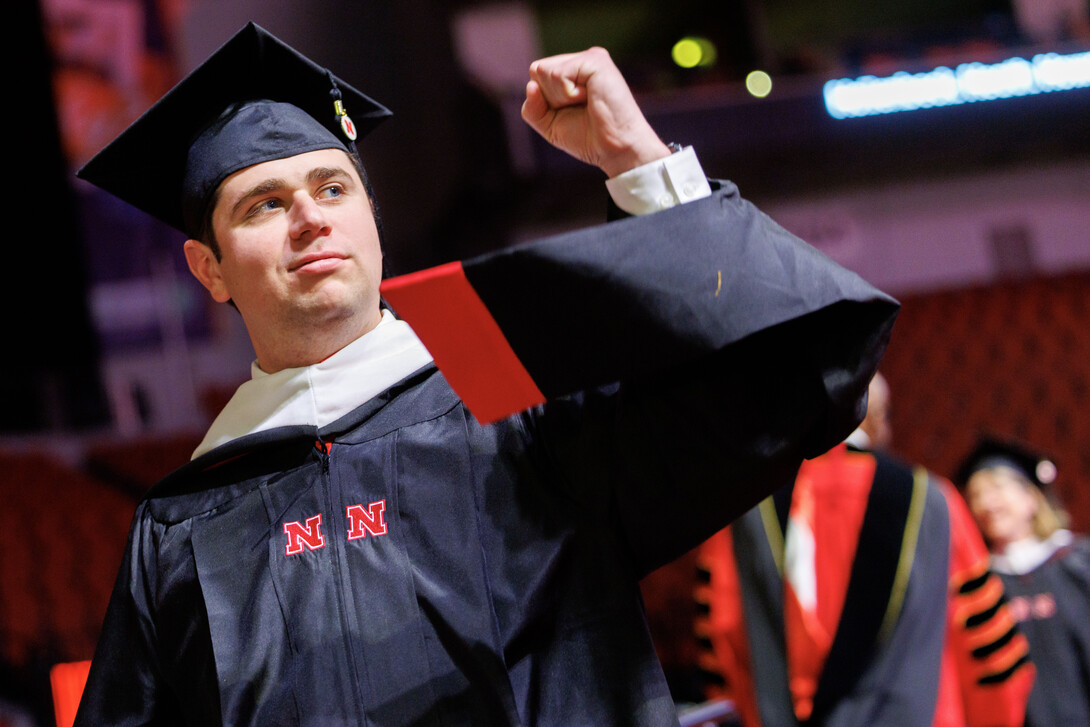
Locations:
1076 555
1080 544
889 462
238 467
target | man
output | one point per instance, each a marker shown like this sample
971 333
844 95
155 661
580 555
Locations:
861 595
351 544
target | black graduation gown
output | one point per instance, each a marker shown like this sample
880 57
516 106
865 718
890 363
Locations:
1052 604
494 577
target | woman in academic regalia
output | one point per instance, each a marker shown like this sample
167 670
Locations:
1045 569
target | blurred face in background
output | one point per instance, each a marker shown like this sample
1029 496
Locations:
876 424
1003 503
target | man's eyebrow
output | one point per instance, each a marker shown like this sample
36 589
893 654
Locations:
317 174
264 187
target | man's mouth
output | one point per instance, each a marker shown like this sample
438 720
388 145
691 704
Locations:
318 262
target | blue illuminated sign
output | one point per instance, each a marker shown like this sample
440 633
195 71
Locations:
969 82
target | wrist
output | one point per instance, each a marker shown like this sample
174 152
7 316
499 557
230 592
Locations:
636 156
664 183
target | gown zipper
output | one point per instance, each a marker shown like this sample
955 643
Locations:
344 596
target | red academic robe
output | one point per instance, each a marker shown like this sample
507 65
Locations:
837 624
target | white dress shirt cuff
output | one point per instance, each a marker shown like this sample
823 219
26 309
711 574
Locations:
660 184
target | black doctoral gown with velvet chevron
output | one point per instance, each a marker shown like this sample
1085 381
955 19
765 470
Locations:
408 565
1052 604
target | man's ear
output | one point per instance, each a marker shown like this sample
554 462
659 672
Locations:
206 268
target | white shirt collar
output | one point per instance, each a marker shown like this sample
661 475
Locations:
1027 554
858 439
321 393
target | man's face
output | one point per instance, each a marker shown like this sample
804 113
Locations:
299 251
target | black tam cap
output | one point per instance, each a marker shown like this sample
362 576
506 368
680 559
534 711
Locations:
254 100
993 452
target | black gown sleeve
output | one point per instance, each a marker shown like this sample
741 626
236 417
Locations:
128 683
124 663
737 378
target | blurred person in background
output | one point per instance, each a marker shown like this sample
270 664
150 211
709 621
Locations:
1052 21
1045 570
825 604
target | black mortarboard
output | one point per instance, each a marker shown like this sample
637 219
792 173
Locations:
992 452
254 100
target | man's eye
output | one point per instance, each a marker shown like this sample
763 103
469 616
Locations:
331 192
267 205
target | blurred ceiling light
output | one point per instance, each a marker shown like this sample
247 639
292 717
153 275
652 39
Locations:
759 84
691 52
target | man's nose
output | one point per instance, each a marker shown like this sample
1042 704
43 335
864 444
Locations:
308 219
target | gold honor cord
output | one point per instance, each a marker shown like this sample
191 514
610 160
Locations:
773 531
908 554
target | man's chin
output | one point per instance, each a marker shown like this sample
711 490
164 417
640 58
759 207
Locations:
335 303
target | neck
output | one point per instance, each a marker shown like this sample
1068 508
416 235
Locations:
1021 538
311 344
1022 556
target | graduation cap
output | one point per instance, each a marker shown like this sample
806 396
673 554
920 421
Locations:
992 452
254 100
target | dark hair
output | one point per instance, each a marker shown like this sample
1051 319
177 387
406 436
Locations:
207 233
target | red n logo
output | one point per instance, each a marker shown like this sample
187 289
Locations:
299 535
370 520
